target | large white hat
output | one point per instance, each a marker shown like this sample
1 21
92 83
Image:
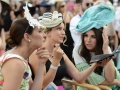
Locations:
50 20
6 1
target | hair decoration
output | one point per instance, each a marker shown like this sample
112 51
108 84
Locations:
50 20
95 17
32 22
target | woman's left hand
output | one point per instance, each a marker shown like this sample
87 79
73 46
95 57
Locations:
104 61
42 54
105 40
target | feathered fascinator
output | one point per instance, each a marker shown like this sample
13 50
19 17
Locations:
32 22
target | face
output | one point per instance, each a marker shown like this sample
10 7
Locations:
37 38
63 7
86 4
90 40
76 7
57 34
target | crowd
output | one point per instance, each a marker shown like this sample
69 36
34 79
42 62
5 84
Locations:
44 41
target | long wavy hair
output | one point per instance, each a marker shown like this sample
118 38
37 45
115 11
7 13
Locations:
85 53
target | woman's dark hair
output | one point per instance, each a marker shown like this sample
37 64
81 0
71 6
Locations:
85 53
17 30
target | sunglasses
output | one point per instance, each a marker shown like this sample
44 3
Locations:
88 4
62 6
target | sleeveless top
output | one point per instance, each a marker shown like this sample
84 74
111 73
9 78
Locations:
27 71
61 72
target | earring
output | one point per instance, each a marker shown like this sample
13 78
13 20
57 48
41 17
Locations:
29 40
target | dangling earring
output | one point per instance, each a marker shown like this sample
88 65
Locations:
29 40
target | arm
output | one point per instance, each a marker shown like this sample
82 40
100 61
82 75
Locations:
109 72
76 75
42 56
3 37
13 71
115 82
119 33
75 35
50 75
116 41
38 81
111 32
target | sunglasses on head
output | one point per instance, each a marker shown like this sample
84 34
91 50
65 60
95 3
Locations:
88 4
62 6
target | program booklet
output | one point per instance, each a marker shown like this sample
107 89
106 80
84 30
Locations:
99 58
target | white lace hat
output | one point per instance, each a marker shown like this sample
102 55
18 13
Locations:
50 20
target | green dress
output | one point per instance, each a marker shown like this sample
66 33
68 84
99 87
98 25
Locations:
27 71
94 78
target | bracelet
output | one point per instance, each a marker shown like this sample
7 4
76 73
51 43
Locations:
53 67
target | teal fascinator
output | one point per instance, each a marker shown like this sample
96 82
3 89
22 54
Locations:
96 17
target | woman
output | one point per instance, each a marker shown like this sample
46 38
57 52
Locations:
8 16
61 7
58 65
94 42
15 73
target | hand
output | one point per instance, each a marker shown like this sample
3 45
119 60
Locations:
42 54
58 52
103 62
117 82
105 40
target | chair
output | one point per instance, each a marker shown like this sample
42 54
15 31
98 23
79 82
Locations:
103 87
87 86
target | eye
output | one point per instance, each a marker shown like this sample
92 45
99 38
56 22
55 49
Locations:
93 36
39 31
85 35
59 28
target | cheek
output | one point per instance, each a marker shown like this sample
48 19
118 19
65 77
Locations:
94 43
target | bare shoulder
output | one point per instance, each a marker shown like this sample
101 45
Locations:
13 65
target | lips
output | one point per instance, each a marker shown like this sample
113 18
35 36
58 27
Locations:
88 45
61 37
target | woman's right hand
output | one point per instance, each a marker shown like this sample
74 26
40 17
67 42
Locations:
42 54
57 52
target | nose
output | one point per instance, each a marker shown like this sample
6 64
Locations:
44 35
63 32
88 39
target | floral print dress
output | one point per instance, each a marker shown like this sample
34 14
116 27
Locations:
27 71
